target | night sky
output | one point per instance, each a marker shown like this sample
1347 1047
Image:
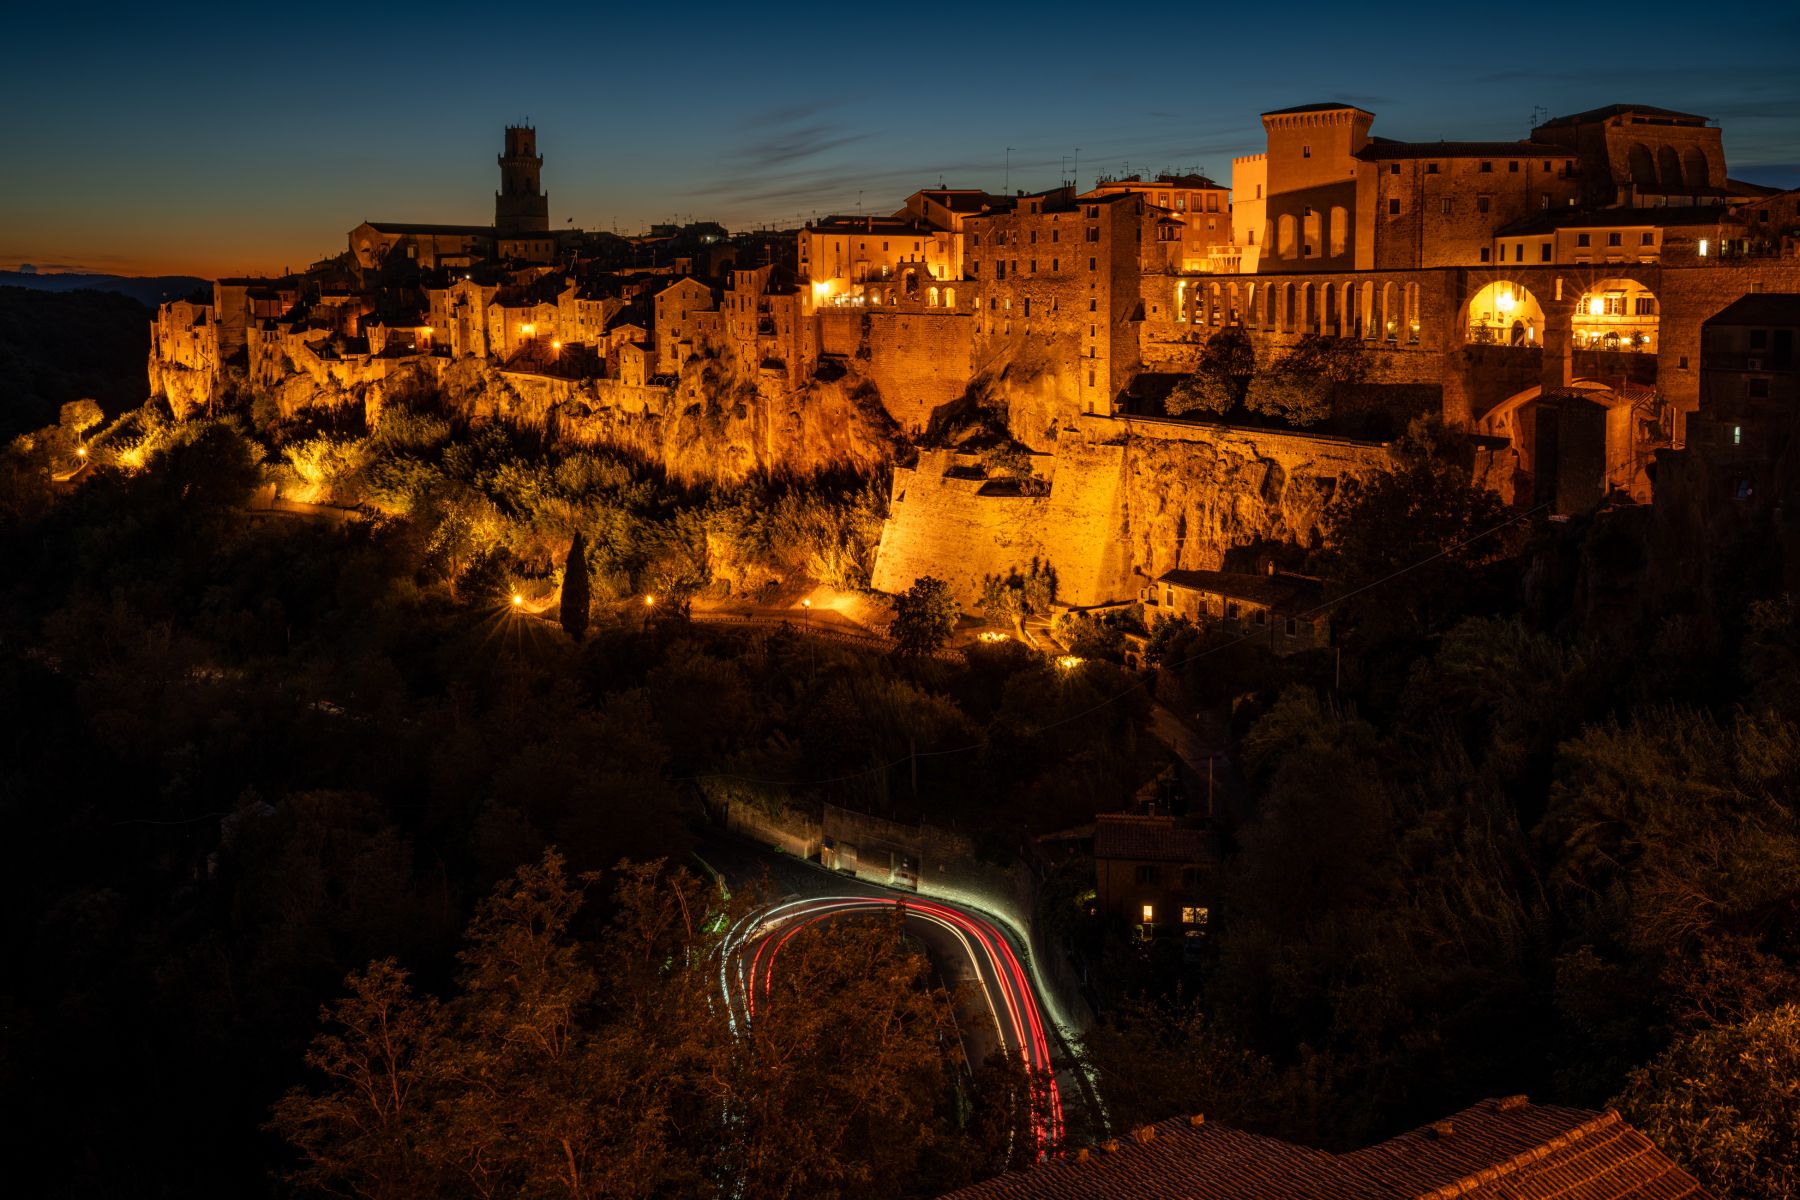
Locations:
249 138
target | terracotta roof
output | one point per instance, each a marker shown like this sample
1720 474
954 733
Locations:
1761 308
1505 1149
1510 1147
414 227
1307 108
1382 150
1155 839
1622 218
1283 593
1619 110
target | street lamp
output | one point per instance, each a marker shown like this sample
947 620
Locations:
806 620
518 601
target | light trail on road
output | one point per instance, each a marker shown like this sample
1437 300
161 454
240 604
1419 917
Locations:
753 947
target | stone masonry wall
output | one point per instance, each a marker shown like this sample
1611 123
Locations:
919 358
1194 492
961 531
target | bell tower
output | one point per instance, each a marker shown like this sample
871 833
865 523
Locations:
519 207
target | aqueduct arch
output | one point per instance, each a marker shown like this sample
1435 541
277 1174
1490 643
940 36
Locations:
1505 312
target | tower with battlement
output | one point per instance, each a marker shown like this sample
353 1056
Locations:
520 206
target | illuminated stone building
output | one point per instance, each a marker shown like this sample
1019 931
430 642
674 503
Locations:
1194 232
520 232
1056 279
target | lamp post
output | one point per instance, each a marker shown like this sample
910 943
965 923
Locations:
806 608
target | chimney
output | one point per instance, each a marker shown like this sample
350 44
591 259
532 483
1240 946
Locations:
1442 1129
1143 1133
1197 1120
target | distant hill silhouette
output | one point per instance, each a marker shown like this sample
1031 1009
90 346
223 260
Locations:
61 346
149 290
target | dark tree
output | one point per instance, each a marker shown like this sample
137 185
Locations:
924 617
575 591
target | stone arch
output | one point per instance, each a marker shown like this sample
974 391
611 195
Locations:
1668 169
931 296
1643 167
1365 320
1616 314
1390 319
1695 168
1413 322
1212 305
1234 313
1328 309
1284 236
949 297
910 284
1504 313
1284 320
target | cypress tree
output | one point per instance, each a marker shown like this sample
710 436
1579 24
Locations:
574 612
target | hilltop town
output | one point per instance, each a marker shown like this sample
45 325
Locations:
1267 686
1543 297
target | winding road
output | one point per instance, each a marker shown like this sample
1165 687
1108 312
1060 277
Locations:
1000 1007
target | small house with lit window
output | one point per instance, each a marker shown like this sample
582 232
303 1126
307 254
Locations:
1160 876
1284 613
1749 393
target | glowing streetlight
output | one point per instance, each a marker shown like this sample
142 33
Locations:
650 600
518 601
1068 662
806 605
81 452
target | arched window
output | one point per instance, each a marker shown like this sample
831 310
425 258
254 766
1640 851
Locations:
1284 321
1668 169
931 297
1643 169
1285 235
1390 320
949 297
1694 168
1412 314
1340 230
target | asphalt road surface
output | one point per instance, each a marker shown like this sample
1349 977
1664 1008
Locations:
998 1006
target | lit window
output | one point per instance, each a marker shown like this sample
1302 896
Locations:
1702 247
1149 911
1196 914
1737 435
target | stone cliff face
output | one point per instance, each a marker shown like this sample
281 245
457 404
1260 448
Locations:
720 422
714 425
1194 492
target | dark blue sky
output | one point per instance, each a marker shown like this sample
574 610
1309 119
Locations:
224 138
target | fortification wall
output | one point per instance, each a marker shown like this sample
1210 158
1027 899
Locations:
919 358
1193 492
964 530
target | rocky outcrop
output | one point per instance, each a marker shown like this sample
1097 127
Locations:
719 422
1194 492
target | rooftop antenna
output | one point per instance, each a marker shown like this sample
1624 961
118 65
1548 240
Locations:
1077 171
